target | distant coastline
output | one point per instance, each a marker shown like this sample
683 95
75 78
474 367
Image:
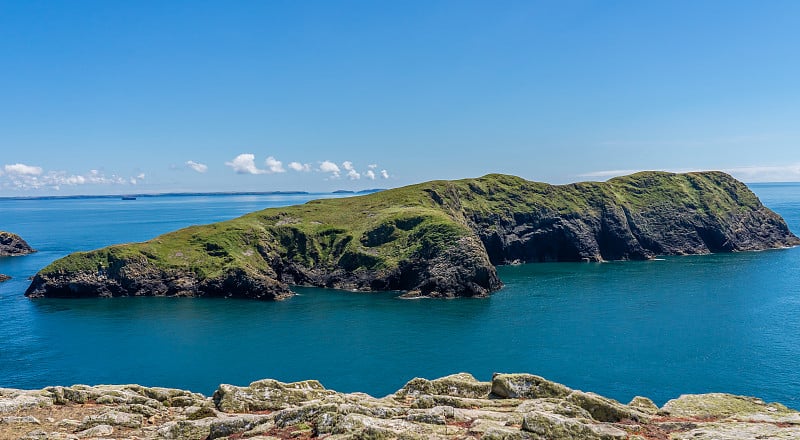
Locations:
189 194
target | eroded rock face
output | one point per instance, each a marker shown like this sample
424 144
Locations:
12 245
452 407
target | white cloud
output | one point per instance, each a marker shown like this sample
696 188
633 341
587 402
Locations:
384 174
330 167
372 166
199 167
245 164
274 165
140 176
353 174
370 175
20 169
348 166
297 166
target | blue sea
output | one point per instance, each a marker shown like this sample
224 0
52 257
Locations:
714 323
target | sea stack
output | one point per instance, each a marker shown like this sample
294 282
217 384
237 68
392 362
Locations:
12 245
434 239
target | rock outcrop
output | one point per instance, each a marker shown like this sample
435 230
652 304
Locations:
439 239
12 245
4 277
452 407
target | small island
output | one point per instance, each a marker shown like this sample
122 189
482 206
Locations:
12 245
433 239
510 406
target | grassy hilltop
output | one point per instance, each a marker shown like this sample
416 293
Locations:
438 238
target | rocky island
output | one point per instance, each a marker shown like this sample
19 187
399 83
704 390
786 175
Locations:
511 406
12 245
438 239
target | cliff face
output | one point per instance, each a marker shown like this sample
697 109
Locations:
13 244
511 406
439 238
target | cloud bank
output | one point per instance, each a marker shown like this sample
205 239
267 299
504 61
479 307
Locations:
24 177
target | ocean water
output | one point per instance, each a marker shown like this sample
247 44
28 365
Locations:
725 322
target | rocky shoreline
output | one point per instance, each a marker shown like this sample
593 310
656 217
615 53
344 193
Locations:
511 406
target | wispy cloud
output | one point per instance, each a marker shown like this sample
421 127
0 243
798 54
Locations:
750 173
384 174
607 173
245 163
199 167
370 175
775 173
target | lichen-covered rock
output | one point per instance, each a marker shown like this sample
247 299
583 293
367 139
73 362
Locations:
720 405
456 385
544 426
526 386
604 409
268 394
643 404
305 410
112 418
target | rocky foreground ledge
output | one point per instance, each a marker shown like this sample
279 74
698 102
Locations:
511 406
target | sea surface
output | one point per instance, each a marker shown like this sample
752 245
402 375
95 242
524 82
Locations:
714 323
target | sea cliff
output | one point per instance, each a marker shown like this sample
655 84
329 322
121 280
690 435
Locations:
511 406
439 238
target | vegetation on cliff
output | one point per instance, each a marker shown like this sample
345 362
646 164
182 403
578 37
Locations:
439 238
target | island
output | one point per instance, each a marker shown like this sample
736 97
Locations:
12 245
433 239
510 406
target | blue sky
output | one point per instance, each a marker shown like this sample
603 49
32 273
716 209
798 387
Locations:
151 96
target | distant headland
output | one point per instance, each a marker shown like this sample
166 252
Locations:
188 194
434 239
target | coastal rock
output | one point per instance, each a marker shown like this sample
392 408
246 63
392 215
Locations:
267 394
4 277
526 386
435 239
268 409
13 244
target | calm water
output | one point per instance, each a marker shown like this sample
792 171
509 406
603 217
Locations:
726 323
